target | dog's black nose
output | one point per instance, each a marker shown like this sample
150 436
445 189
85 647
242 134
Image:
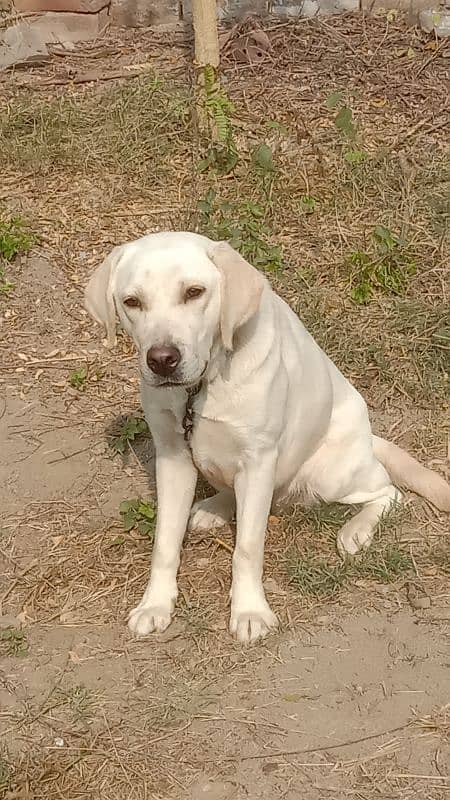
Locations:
163 360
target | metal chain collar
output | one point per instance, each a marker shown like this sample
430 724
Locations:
188 419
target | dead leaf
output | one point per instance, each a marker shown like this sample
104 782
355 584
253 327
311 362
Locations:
378 102
392 14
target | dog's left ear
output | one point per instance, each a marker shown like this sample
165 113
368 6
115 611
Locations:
99 296
242 286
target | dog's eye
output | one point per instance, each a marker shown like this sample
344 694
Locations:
193 292
132 302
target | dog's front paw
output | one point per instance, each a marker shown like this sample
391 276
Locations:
145 618
250 624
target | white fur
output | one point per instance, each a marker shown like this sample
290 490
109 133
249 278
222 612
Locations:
274 420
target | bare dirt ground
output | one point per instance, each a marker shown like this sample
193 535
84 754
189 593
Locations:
350 698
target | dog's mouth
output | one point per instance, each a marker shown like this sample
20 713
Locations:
173 383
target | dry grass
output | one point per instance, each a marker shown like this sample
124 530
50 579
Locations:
118 130
88 167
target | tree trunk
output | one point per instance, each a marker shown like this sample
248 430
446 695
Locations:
204 13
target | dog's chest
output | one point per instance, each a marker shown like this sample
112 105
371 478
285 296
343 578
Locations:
215 450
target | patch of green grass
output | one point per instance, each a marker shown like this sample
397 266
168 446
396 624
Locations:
13 642
355 157
262 158
316 578
243 224
354 154
84 376
328 517
383 564
14 238
118 541
132 428
5 285
78 378
325 575
140 515
398 342
422 340
388 268
334 100
307 204
345 123
343 120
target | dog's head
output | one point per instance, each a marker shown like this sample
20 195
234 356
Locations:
176 294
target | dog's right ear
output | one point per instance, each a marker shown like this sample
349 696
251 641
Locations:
241 290
99 295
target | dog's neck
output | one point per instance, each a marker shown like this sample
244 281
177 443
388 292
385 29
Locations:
221 359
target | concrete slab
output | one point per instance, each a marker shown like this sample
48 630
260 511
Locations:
26 41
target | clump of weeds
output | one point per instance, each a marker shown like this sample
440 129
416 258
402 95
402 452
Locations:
13 642
132 428
14 240
243 224
387 266
139 515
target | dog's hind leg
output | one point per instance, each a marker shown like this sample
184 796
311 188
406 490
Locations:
369 485
359 531
347 471
214 512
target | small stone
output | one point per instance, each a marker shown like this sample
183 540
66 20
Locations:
59 742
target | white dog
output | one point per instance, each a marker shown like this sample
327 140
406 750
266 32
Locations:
234 386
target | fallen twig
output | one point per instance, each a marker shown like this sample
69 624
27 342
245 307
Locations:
322 749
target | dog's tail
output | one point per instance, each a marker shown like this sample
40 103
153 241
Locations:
406 472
